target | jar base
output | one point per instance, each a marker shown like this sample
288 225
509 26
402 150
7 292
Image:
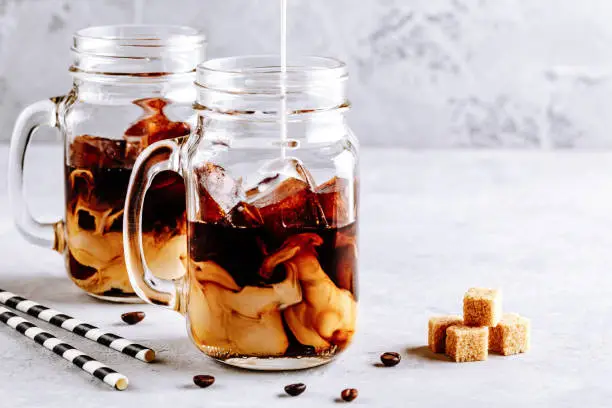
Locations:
276 363
130 299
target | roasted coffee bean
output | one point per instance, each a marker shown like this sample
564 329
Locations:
390 359
295 389
203 381
349 394
133 317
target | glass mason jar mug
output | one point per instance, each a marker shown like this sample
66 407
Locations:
272 220
133 86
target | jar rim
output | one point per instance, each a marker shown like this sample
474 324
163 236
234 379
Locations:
221 73
254 86
137 50
134 35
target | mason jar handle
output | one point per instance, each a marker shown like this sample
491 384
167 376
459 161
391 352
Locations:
49 235
159 157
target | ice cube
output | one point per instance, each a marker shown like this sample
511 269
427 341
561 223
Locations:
152 106
92 151
245 215
275 172
133 147
335 199
219 192
154 124
292 204
285 197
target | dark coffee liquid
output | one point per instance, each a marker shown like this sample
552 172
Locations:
95 200
164 202
330 263
241 251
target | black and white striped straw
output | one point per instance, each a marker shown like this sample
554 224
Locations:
77 326
64 350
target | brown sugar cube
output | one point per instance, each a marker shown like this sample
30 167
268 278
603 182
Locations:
467 343
482 307
437 331
511 335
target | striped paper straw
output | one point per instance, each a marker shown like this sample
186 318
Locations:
64 350
76 326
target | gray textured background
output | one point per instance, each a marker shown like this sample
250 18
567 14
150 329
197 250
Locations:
425 73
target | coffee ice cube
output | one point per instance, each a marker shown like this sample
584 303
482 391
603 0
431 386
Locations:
290 205
219 192
245 215
274 172
92 151
285 196
335 199
154 124
221 186
133 148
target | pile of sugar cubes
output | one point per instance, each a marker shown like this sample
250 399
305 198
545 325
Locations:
482 328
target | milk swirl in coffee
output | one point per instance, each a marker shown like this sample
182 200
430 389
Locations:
276 275
97 175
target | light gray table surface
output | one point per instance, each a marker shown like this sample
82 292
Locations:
433 223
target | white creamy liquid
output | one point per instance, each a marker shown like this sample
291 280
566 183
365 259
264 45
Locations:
283 84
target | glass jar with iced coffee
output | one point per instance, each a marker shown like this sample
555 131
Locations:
271 211
133 86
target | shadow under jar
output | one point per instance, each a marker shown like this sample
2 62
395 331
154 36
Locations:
133 86
272 220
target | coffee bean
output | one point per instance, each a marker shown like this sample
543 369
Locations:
390 359
295 389
133 317
349 394
203 381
